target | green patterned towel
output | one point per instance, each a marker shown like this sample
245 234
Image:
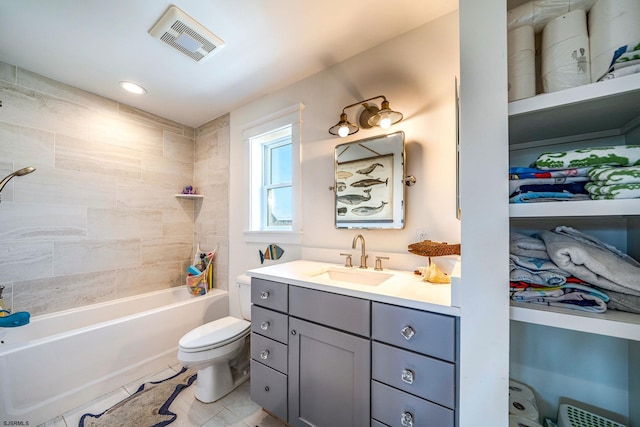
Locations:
609 175
615 191
621 155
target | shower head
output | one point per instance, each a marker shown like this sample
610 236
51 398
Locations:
19 172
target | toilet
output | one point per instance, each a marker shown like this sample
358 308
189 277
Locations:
219 350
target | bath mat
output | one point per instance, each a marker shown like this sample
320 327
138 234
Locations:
148 406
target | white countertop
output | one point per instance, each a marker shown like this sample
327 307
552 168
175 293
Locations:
403 288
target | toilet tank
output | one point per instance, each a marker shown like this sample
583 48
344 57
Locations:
243 282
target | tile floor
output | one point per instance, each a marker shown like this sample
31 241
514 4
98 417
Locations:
234 410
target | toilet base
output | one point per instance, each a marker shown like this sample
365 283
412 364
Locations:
216 381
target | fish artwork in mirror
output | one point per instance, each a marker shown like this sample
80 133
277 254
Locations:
369 185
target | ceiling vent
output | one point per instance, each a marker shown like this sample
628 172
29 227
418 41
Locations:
185 34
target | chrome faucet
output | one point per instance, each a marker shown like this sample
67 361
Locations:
363 256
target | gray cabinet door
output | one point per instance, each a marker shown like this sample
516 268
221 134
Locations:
329 375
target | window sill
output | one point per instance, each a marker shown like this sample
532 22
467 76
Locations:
292 237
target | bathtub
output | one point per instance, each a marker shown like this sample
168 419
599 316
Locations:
62 360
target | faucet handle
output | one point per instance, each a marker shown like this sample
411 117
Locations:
347 262
379 262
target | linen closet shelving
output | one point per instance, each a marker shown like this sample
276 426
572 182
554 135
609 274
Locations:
560 353
601 352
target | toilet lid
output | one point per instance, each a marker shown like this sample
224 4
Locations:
214 334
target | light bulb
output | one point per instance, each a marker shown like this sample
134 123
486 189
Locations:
343 131
385 121
133 88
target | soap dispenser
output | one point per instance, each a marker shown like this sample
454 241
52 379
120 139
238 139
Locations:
3 309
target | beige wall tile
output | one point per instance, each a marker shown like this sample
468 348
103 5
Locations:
25 260
7 72
164 171
26 146
177 223
178 147
126 133
87 256
148 278
94 157
63 293
20 221
123 223
166 249
132 113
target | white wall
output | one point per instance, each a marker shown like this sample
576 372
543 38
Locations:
416 73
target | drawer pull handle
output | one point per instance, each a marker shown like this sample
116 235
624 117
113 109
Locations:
264 354
406 419
266 388
408 376
264 295
407 332
293 332
264 326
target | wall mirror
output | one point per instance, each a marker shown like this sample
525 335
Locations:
369 183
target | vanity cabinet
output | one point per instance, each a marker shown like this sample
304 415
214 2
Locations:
351 361
269 345
414 371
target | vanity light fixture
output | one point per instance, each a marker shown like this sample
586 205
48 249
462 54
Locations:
370 116
133 87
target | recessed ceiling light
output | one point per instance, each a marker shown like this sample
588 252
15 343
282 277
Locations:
133 88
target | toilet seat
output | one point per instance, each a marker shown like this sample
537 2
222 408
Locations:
214 334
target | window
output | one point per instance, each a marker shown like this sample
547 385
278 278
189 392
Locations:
271 189
273 146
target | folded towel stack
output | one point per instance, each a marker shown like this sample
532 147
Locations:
626 60
528 185
567 268
611 182
599 173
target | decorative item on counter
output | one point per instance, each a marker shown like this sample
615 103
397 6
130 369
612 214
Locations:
427 248
189 190
272 252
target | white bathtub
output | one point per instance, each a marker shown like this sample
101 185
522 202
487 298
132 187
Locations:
62 360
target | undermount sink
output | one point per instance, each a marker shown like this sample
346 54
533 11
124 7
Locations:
355 275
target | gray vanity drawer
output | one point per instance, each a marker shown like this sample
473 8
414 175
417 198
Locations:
423 376
433 334
375 423
388 406
270 324
269 352
269 389
338 311
269 294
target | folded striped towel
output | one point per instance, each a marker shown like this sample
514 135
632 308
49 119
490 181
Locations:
516 184
608 175
555 196
524 173
615 191
620 155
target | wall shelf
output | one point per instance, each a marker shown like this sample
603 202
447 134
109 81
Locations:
578 208
596 107
189 196
610 323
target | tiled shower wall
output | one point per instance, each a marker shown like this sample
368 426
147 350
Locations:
98 219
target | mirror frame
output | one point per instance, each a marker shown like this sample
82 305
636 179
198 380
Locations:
367 164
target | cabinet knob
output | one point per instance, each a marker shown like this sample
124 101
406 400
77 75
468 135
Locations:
408 332
264 326
266 388
293 332
408 376
406 419
264 354
264 295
